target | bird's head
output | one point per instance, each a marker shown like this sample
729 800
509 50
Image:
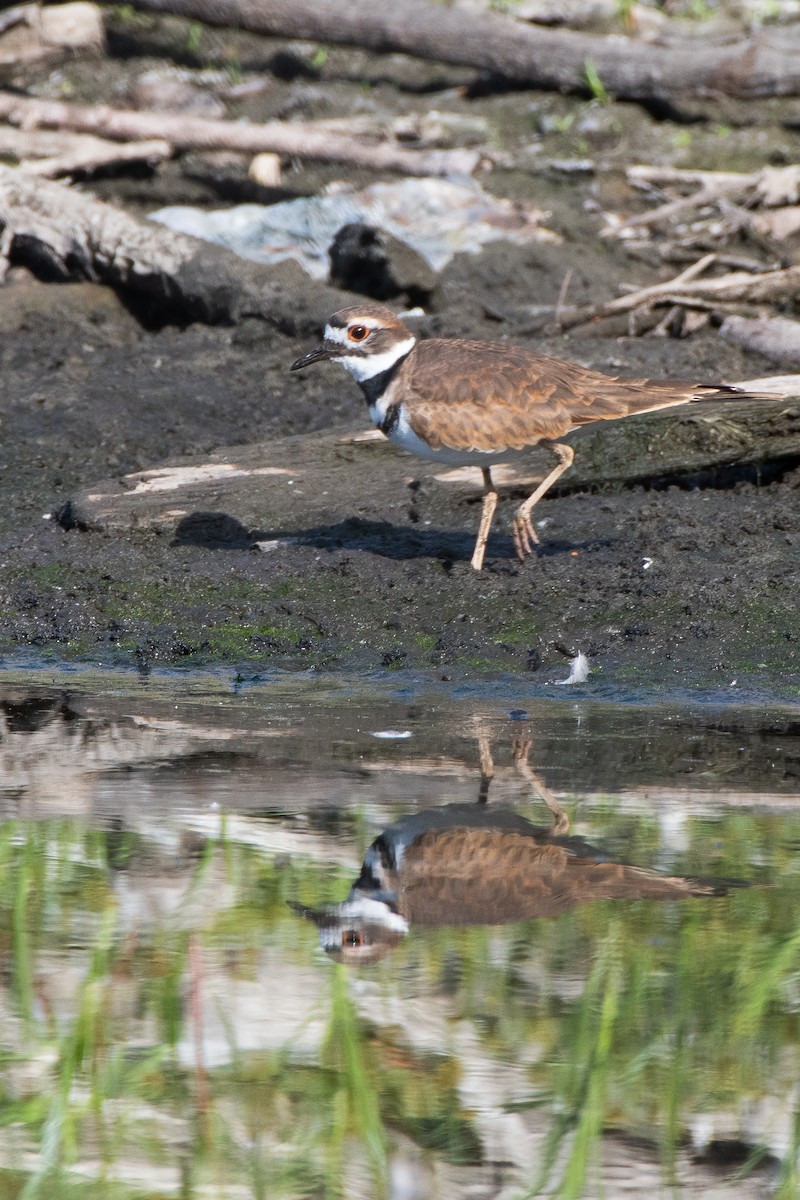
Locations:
366 339
360 931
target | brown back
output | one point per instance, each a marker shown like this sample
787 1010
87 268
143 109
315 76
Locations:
462 876
490 395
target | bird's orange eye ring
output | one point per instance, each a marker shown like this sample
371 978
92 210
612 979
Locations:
353 937
358 333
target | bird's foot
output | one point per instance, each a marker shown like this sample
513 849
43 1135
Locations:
525 536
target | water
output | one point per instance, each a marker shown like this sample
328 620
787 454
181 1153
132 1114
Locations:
187 1009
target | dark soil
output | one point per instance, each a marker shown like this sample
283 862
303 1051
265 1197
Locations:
88 392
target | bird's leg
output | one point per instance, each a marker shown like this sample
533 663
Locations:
522 748
487 762
487 512
524 534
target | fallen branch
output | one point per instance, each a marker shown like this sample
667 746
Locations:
294 140
67 234
766 64
81 154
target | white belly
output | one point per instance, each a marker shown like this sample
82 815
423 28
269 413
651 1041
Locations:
404 438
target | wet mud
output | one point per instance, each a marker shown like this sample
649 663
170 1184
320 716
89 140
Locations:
689 581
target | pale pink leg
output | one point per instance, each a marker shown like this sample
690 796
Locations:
524 534
487 513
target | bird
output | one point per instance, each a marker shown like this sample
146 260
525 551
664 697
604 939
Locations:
467 864
477 403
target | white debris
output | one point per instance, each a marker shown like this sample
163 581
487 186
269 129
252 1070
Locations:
437 217
266 547
578 670
394 735
647 564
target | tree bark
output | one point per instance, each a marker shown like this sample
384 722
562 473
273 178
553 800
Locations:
65 234
279 137
766 64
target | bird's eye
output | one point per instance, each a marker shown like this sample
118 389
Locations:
352 937
358 333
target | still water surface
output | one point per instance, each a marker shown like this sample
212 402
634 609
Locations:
340 941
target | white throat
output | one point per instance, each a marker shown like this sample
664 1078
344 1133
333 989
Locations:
366 366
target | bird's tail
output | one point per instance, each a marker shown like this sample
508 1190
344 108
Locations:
625 397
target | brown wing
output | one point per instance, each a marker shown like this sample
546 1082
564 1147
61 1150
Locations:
493 395
462 876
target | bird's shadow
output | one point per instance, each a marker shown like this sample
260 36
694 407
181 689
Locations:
220 531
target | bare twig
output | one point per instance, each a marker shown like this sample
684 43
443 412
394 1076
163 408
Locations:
562 294
734 288
691 272
706 195
667 322
641 173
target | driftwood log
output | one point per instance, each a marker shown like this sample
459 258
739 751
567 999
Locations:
764 64
292 139
65 234
224 496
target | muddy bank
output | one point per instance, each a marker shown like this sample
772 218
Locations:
676 586
687 581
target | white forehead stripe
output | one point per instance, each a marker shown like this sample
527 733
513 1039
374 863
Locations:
364 366
338 333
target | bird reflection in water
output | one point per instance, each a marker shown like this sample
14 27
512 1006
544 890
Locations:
469 864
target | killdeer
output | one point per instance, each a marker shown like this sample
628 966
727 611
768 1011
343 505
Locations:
466 864
468 403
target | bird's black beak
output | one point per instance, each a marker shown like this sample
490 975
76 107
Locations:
318 916
319 352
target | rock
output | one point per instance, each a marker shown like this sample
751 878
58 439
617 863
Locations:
775 337
265 169
372 262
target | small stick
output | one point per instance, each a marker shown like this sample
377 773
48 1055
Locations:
662 328
735 286
666 175
562 294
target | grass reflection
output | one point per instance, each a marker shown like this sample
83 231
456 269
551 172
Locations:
172 1028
